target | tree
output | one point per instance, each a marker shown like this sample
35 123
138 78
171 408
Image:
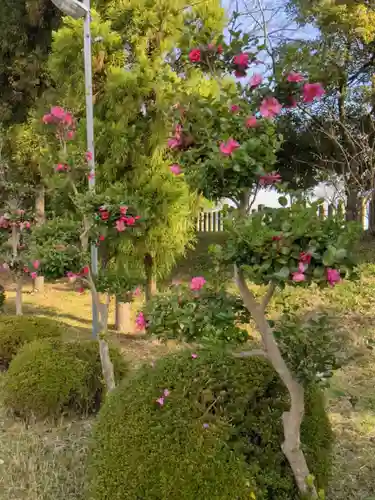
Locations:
25 38
134 89
231 154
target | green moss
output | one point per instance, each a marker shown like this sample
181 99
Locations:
15 331
143 450
49 377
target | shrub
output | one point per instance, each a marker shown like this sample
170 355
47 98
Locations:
208 315
49 377
57 245
218 434
17 330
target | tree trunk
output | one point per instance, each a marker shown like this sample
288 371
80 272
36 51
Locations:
352 209
38 285
292 419
19 297
124 322
105 357
150 287
371 215
40 205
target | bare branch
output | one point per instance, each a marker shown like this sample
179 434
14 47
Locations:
268 295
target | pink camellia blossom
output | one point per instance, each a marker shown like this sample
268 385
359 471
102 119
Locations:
90 176
234 108
70 134
166 393
175 169
270 107
137 292
130 221
219 49
241 60
228 147
197 283
251 122
36 264
255 80
81 290
101 237
294 77
61 167
160 401
269 179
277 237
195 55
47 118
71 275
174 143
120 225
194 356
333 276
34 275
123 209
27 224
312 91
305 257
85 270
298 277
26 269
88 156
58 112
140 321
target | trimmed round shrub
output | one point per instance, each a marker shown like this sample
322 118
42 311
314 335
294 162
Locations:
15 331
50 377
216 433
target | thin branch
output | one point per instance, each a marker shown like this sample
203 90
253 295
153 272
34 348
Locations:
250 354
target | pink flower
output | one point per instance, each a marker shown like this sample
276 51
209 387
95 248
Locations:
241 60
140 321
269 179
123 209
294 77
333 276
70 274
26 269
36 264
130 221
34 275
255 80
27 225
298 277
160 401
270 107
88 156
194 356
174 143
175 169
104 214
277 237
312 91
302 267
251 122
137 292
305 257
228 147
195 55
58 113
219 49
197 283
120 225
61 168
85 270
81 290
47 118
90 176
166 393
234 108
101 237
70 134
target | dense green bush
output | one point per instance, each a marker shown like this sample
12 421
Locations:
18 330
57 245
210 315
49 377
217 435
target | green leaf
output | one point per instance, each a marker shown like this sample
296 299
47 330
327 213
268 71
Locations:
283 201
283 273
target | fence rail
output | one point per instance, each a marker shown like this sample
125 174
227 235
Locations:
208 222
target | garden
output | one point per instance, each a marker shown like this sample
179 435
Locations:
140 359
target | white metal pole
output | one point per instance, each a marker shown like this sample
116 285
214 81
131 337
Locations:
90 142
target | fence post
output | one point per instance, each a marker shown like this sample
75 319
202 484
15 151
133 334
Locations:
331 210
341 209
362 210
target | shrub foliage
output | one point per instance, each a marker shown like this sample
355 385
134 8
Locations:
15 331
208 315
49 377
217 434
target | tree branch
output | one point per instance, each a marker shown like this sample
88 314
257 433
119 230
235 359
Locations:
268 295
250 354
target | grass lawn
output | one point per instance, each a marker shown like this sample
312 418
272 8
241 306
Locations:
45 461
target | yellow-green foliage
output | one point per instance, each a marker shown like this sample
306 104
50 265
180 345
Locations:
49 377
15 331
217 436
